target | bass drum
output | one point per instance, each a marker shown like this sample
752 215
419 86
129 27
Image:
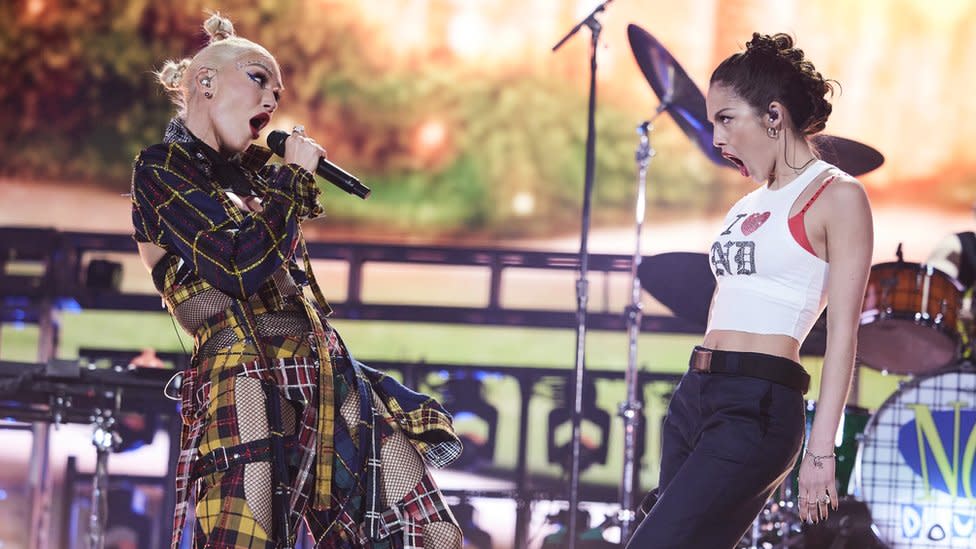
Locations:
908 320
915 467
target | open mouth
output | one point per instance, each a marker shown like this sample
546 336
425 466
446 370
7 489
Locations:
257 123
737 163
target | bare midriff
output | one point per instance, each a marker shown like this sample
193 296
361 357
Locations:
770 344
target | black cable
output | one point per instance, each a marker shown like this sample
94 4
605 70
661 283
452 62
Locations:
178 338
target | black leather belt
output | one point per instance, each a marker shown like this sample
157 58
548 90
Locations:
222 459
771 368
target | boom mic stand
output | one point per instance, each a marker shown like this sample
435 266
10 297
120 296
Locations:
582 284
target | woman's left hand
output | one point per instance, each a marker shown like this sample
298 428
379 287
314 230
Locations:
817 487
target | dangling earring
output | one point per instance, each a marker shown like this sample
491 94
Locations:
772 132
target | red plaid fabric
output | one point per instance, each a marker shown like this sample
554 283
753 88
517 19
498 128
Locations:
423 505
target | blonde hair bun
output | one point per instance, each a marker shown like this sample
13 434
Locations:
171 75
218 27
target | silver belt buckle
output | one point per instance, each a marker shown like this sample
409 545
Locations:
221 463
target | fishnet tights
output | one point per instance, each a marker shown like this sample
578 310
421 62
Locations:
442 535
253 425
269 324
202 305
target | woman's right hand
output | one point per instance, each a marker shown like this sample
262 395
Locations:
303 150
817 488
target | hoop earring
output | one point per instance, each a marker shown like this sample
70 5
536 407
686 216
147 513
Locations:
772 132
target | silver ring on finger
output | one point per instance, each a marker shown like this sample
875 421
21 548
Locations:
298 129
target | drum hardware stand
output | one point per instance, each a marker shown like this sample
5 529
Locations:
755 533
58 406
105 439
630 410
38 474
779 517
582 283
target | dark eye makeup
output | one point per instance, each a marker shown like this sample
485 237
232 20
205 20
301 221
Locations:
261 79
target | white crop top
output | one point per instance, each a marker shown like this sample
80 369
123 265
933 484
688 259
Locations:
766 282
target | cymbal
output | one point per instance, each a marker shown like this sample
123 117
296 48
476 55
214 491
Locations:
681 281
849 155
678 93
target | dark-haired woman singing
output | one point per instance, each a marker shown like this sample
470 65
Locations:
735 425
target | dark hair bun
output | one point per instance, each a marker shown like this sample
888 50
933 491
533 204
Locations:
773 69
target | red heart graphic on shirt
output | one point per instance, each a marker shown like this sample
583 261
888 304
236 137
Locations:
753 222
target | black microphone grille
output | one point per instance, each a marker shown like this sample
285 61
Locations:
276 142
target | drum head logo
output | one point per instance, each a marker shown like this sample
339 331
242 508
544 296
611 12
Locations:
917 464
939 446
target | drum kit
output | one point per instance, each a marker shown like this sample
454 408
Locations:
906 471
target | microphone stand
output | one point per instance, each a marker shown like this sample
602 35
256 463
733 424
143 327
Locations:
582 284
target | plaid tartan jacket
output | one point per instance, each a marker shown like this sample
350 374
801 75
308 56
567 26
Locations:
180 203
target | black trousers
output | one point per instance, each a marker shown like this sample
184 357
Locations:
728 442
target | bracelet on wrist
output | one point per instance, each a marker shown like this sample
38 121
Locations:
818 460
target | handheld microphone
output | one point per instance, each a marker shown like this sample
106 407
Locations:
327 170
